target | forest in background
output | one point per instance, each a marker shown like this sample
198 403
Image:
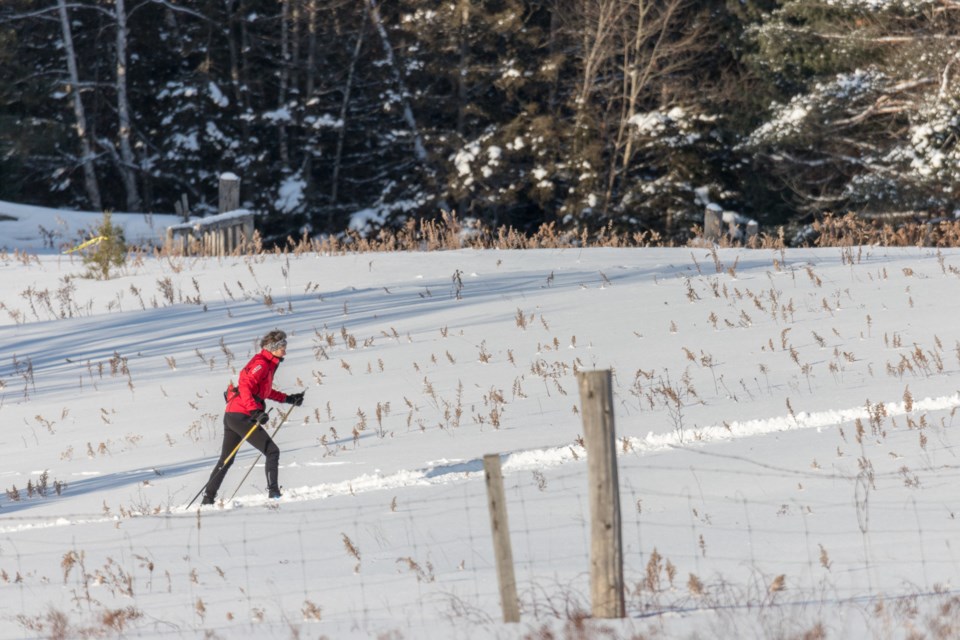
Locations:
582 114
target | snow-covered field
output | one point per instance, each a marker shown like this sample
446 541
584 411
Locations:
785 425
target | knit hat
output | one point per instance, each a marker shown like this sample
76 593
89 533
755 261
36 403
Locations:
274 341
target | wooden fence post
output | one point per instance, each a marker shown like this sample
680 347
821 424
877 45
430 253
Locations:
496 498
229 192
713 222
606 546
248 231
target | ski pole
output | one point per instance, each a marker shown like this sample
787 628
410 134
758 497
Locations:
272 436
225 462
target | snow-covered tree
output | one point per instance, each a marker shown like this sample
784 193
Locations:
867 119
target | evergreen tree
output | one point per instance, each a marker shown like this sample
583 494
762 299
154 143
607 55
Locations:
107 251
36 122
489 121
867 117
581 113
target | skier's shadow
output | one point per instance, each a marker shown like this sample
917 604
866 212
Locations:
105 482
155 475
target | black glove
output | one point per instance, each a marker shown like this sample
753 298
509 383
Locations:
260 417
296 399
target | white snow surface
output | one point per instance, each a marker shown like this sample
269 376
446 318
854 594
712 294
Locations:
784 419
44 230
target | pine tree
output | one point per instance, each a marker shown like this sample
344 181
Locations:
107 253
489 123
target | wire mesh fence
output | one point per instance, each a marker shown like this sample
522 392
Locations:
422 557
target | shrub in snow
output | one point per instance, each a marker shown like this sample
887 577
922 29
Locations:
109 252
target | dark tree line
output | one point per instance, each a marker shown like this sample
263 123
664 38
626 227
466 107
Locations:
580 113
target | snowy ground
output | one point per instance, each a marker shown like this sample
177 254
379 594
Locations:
786 425
42 230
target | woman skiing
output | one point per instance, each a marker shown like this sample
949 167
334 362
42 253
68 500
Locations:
245 412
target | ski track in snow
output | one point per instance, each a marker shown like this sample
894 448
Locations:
534 459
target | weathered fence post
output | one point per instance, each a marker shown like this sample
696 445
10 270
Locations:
229 201
248 230
496 498
182 208
713 222
606 547
229 192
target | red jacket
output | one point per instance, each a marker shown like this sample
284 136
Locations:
255 385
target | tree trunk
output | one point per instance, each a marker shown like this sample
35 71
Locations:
600 21
244 65
284 80
302 148
420 151
643 50
311 49
553 48
89 170
463 64
633 83
233 49
341 134
128 161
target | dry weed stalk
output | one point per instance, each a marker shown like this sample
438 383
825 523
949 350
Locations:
695 586
521 319
352 550
310 611
118 619
824 558
424 574
540 479
779 584
201 609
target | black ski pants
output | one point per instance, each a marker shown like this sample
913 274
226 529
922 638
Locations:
235 426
